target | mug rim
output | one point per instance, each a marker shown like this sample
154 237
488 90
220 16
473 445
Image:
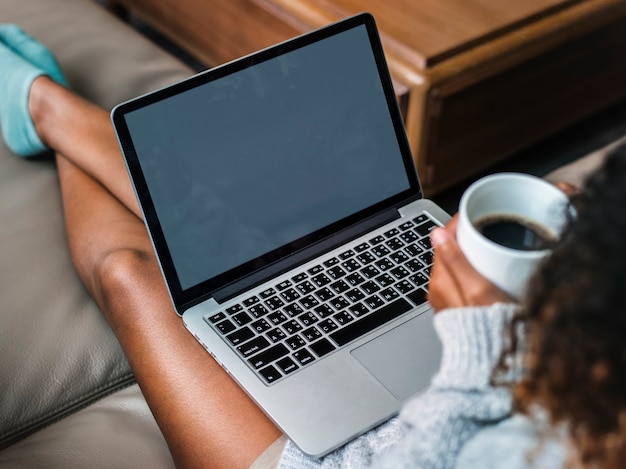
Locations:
472 188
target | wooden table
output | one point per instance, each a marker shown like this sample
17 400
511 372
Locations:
477 80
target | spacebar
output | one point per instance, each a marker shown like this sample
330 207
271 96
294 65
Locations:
371 322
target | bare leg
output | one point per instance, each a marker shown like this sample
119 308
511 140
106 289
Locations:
207 420
83 133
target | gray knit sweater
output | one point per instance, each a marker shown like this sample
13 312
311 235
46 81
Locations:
460 422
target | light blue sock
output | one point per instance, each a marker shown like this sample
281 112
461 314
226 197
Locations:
22 60
32 50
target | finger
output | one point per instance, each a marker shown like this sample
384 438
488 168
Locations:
569 189
443 290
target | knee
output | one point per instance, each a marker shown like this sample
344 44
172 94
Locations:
119 276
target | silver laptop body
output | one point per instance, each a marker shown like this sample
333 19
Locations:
282 201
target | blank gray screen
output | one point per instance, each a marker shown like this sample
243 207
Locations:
255 160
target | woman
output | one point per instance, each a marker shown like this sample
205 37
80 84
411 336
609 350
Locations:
449 426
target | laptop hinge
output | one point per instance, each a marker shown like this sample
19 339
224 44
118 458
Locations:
304 255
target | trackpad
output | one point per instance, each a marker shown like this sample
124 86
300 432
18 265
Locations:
404 359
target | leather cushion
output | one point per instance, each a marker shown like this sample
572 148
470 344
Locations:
57 353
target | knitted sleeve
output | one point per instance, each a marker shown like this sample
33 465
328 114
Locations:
433 427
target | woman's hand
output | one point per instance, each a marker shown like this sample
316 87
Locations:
453 281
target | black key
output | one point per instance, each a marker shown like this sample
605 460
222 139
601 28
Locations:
408 237
234 309
426 228
291 327
276 335
354 279
321 280
216 317
311 334
389 294
385 280
240 336
399 272
339 303
343 318
374 302
361 247
418 296
340 286
286 283
406 225
376 240
332 261
261 326
345 255
270 374
307 319
370 287
268 356
391 233
290 294
306 287
366 257
309 302
381 251
323 311
300 277
370 322
293 309
358 310
315 270
399 257
384 264
242 318
257 311
420 219
277 318
351 265
274 303
394 244
253 346
413 250
355 295
303 356
295 342
336 272
286 365
427 257
425 243
324 294
327 325
370 271
414 265
404 286
225 327
419 279
322 347
267 293
250 301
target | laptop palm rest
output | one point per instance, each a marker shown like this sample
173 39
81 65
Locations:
416 351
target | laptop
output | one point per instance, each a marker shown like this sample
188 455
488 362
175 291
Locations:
287 216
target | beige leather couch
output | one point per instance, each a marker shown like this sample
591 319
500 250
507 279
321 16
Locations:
67 395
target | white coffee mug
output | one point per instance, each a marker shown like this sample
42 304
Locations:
510 196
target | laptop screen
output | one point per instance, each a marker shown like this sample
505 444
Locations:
259 161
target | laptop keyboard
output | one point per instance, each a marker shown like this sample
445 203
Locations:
289 325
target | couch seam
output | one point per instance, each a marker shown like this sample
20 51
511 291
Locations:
84 400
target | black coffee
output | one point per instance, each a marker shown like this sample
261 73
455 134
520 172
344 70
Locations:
516 232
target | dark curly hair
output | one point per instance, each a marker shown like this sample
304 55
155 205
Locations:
574 324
